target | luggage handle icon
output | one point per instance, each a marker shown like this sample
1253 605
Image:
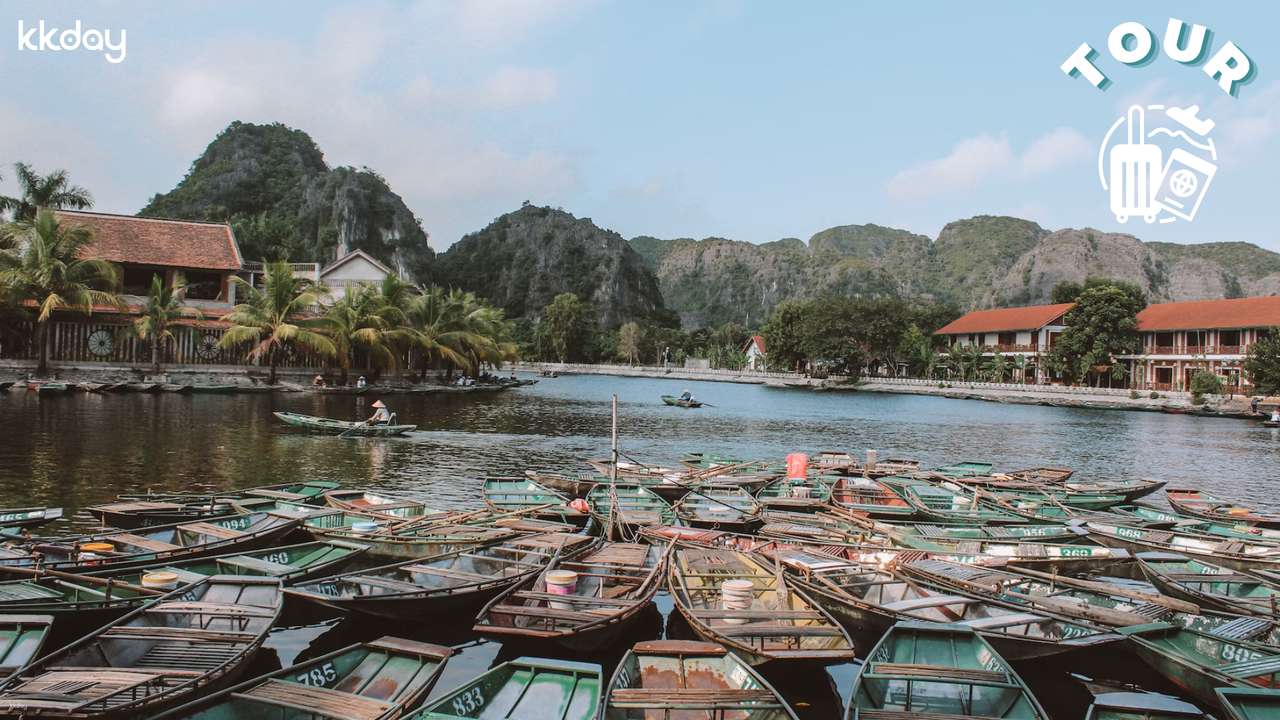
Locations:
1136 170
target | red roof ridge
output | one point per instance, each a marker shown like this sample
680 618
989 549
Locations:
122 216
1247 312
1028 317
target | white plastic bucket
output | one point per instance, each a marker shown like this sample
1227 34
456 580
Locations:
364 526
160 580
736 595
871 460
800 491
561 582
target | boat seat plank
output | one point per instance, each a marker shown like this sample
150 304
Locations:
396 586
709 698
763 614
930 601
212 530
1002 621
266 567
573 616
1250 668
938 671
448 572
906 715
1183 577
144 543
321 701
577 599
770 630
186 634
278 495
212 608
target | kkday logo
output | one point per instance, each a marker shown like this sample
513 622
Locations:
40 37
1160 167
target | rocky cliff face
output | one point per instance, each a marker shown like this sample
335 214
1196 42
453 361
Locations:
983 261
525 258
272 184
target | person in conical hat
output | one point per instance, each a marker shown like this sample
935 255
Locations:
686 395
381 415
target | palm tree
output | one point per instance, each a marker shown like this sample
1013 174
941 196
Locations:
165 305
273 319
49 272
1020 367
53 191
436 328
363 321
999 367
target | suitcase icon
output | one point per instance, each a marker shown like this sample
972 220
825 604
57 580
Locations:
1136 172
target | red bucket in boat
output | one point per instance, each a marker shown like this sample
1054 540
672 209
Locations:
797 466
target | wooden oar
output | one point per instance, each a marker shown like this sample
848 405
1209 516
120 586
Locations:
91 580
366 423
1107 589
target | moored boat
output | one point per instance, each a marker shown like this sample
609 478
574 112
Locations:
1233 553
629 506
759 616
522 689
1201 504
1199 663
1211 585
509 494
948 503
808 494
394 507
574 486
683 678
583 602
870 496
927 670
715 506
349 428
377 680
1250 703
1117 701
22 638
187 643
680 402
28 517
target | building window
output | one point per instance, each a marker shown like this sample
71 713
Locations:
1229 341
1007 339
203 285
1164 339
1196 340
1164 376
136 280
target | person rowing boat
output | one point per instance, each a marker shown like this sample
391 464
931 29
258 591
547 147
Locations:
381 415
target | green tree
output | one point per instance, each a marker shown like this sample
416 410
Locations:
630 339
49 271
784 336
53 191
567 326
1262 364
999 367
165 305
360 322
1066 292
1102 325
439 327
274 319
1204 383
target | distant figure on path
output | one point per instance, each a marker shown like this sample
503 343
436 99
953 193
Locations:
1275 414
381 416
1253 405
318 381
361 382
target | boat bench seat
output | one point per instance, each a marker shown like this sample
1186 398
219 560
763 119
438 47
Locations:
322 702
195 635
213 609
1002 621
772 630
938 671
758 614
1243 628
1210 577
144 543
448 572
688 698
904 715
572 616
212 530
578 599
1250 668
256 565
395 586
931 601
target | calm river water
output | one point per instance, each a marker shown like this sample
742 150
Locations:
80 449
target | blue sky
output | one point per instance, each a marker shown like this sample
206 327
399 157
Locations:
747 120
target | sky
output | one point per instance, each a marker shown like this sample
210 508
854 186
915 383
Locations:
730 118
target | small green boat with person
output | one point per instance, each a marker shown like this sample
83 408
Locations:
347 428
523 689
680 402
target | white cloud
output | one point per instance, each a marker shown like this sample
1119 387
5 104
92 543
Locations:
489 23
988 158
512 87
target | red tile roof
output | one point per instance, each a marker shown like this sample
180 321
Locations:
165 243
759 343
1208 314
1006 319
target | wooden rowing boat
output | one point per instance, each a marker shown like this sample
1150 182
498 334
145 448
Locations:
719 507
679 402
452 583
1000 533
514 494
1199 663
629 506
378 680
1250 703
870 496
309 492
48 388
1054 557
1119 701
1236 554
22 637
163 543
522 689
613 584
864 595
28 517
781 623
928 671
393 507
348 428
967 468
1211 585
844 463
185 644
1198 503
574 486
808 494
948 503
133 514
213 389
387 540
683 678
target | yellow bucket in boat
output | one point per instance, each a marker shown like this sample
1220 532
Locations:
98 547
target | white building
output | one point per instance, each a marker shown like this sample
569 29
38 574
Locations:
1027 331
355 268
755 353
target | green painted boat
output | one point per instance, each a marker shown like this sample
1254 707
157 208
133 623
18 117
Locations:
523 494
458 582
1000 533
1230 552
574 486
164 543
965 469
28 517
1200 663
719 507
863 595
780 622
213 389
185 644
1118 701
49 388
1250 703
1201 504
523 689
948 503
629 505
870 496
393 507
22 637
1211 585
927 670
378 533
1147 516
348 428
683 678
677 402
1065 559
611 585
809 494
378 680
